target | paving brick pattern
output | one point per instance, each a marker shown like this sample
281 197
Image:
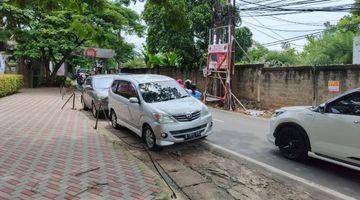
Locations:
48 153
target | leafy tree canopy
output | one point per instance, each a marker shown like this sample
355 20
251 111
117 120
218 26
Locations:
244 41
181 27
54 30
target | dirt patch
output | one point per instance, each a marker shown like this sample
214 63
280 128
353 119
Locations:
253 108
201 173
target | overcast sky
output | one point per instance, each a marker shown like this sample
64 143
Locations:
263 35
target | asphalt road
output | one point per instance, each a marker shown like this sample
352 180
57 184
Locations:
247 135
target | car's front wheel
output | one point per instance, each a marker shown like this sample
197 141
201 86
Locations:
292 143
150 139
114 123
93 110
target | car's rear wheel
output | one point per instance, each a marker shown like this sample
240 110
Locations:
114 123
84 104
150 139
292 143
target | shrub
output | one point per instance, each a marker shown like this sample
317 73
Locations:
10 84
59 80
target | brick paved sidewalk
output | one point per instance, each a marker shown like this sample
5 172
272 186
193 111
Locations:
46 153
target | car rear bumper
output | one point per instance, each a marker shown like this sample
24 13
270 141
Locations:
183 131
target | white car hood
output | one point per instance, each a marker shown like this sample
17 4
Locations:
102 93
295 108
178 106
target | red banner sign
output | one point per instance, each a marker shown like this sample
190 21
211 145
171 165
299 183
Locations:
90 52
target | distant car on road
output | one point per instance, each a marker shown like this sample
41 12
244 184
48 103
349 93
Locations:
329 132
95 92
157 109
81 75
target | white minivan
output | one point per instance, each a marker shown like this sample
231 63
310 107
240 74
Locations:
157 109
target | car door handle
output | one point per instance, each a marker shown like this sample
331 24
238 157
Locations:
357 122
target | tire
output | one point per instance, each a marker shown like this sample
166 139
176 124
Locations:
93 110
113 118
292 144
150 139
84 104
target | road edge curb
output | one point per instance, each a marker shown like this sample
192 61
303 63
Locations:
235 155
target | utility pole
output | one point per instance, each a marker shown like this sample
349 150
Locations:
220 67
231 67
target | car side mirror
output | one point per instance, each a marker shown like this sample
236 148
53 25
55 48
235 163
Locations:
134 100
322 108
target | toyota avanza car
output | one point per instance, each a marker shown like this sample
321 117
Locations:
158 109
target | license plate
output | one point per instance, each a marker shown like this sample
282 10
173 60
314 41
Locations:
193 135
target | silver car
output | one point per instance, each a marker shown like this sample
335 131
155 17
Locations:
157 109
95 92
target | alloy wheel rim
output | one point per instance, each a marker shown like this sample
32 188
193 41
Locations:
149 138
113 117
94 110
290 146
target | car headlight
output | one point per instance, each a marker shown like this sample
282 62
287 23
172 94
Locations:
278 112
205 112
163 118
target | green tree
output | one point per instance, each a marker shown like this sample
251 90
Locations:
330 48
244 41
335 45
182 27
54 30
282 58
257 53
260 54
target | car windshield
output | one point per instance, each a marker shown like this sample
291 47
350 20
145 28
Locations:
161 91
102 83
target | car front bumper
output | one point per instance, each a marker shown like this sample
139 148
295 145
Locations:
270 136
183 131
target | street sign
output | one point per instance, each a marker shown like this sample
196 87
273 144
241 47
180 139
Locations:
90 52
218 58
218 48
99 53
334 86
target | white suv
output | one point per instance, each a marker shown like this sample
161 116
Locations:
158 109
329 132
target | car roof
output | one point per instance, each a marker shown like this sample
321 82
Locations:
105 76
344 94
144 78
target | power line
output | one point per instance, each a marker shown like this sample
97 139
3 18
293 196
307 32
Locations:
300 23
284 30
292 3
324 9
292 39
264 25
263 32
